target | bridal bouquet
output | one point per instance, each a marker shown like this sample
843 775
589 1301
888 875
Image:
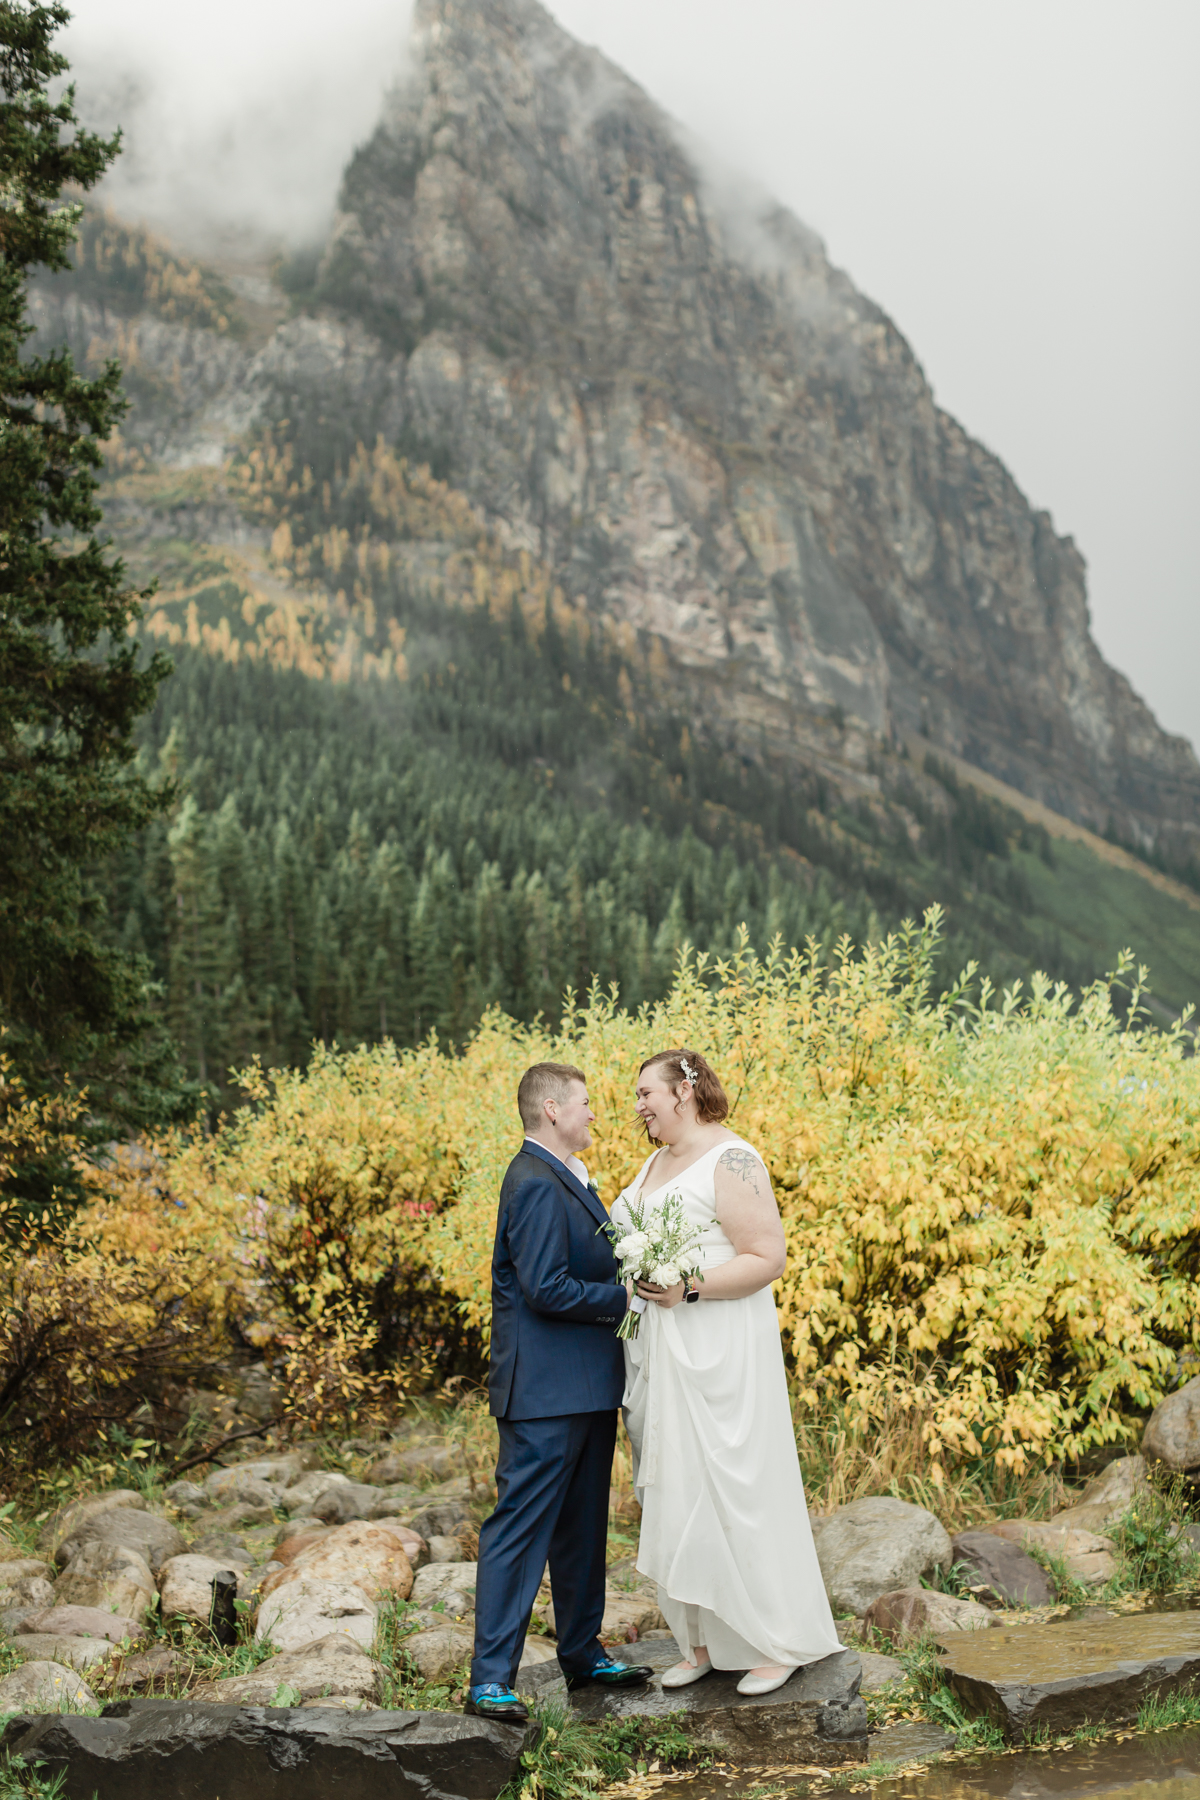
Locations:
659 1245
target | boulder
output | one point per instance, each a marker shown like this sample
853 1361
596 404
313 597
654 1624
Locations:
439 1653
336 1668
65 1521
280 1471
152 1536
27 1591
450 1585
311 1609
441 1519
223 1547
110 1576
1000 1571
446 1550
424 1462
83 1621
1172 1435
368 1555
44 1687
77 1653
330 1497
182 1494
875 1546
1087 1557
24 1568
150 1671
176 1748
290 1542
878 1672
237 1487
202 1589
910 1611
250 1581
1106 1498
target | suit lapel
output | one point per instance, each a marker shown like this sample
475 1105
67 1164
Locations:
571 1182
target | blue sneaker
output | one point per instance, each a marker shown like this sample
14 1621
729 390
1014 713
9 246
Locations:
608 1672
491 1701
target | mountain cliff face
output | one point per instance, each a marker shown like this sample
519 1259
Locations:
670 397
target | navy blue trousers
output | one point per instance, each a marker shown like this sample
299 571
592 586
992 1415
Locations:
552 1480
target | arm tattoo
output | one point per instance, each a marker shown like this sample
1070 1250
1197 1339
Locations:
741 1162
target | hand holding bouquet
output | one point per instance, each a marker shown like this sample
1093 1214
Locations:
659 1245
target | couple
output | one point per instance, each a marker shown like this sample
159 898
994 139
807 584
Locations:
725 1530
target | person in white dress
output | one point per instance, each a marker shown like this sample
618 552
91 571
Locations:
725 1529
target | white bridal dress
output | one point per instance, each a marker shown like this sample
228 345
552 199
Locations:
725 1529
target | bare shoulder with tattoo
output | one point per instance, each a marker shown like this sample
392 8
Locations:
742 1163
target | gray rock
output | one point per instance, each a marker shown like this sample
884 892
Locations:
72 1652
150 1671
28 1591
196 1752
424 1462
451 1584
186 1493
439 1652
1058 1677
202 1589
110 1576
83 1621
152 1536
878 1672
44 1687
445 1550
237 1487
1087 1557
229 1551
66 1522
24 1568
875 1546
911 1741
816 1717
1002 1571
308 1610
911 1611
1172 1435
332 1498
440 1519
250 1581
334 1667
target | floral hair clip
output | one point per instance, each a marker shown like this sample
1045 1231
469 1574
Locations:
688 1071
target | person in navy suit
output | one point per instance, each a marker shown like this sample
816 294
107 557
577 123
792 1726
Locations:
555 1383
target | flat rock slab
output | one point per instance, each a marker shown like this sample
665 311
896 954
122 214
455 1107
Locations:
1082 1671
197 1752
816 1717
913 1740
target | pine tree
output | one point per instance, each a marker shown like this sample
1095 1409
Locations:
71 688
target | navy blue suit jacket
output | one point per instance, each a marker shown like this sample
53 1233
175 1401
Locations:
556 1300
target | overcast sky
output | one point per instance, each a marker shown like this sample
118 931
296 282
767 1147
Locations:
1014 182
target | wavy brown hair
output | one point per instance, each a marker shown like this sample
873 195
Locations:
712 1104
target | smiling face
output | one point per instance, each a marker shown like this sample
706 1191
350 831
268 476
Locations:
572 1119
663 1112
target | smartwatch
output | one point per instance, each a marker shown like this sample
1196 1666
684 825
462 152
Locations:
693 1293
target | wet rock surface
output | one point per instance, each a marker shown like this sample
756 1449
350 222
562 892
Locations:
816 1717
199 1752
1074 1673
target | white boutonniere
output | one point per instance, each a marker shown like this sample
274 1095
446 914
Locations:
594 1185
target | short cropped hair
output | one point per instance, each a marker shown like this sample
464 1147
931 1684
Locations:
545 1081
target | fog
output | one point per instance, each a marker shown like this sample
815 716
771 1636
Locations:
1016 185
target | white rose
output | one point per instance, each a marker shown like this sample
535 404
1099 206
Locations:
631 1245
665 1275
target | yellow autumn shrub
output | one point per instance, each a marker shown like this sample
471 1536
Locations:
992 1206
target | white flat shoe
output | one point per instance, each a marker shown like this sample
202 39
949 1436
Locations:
761 1684
684 1673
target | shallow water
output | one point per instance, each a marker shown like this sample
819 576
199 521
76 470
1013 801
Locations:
1158 1766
